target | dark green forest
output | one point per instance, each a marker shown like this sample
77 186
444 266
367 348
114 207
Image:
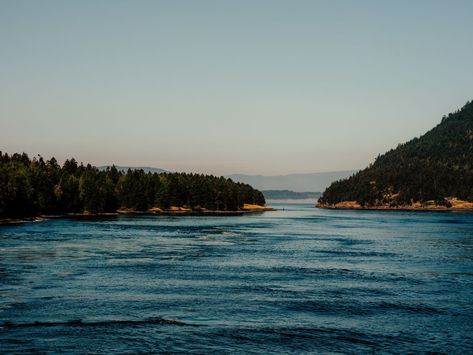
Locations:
31 187
437 165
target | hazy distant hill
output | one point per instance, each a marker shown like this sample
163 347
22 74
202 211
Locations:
146 169
289 195
292 182
312 182
429 170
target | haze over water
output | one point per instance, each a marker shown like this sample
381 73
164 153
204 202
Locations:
298 279
224 87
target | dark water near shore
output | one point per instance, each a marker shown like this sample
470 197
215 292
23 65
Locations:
298 280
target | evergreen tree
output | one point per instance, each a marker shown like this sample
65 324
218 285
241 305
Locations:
433 167
29 187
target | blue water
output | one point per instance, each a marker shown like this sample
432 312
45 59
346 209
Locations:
295 280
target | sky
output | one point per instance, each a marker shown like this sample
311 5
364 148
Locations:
221 87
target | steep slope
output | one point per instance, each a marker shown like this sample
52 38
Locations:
431 171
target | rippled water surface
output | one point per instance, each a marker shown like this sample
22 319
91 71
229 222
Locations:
295 280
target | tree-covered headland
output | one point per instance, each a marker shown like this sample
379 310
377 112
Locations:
31 187
431 169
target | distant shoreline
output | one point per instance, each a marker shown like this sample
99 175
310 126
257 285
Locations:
310 201
173 211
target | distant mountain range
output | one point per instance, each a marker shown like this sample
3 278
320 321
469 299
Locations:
312 182
146 169
293 182
290 195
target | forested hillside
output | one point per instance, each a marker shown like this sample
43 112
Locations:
432 168
29 187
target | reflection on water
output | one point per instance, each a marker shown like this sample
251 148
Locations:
294 280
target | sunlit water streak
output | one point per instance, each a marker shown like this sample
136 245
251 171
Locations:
294 280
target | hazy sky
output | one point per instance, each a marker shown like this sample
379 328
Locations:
268 87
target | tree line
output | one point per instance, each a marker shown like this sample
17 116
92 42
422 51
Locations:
30 187
432 167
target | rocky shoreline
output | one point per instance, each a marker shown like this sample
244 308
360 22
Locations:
454 205
173 211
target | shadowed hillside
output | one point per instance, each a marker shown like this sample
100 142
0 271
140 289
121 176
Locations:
435 169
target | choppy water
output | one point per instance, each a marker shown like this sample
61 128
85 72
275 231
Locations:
298 280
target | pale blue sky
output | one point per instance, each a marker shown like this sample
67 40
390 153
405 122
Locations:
268 87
